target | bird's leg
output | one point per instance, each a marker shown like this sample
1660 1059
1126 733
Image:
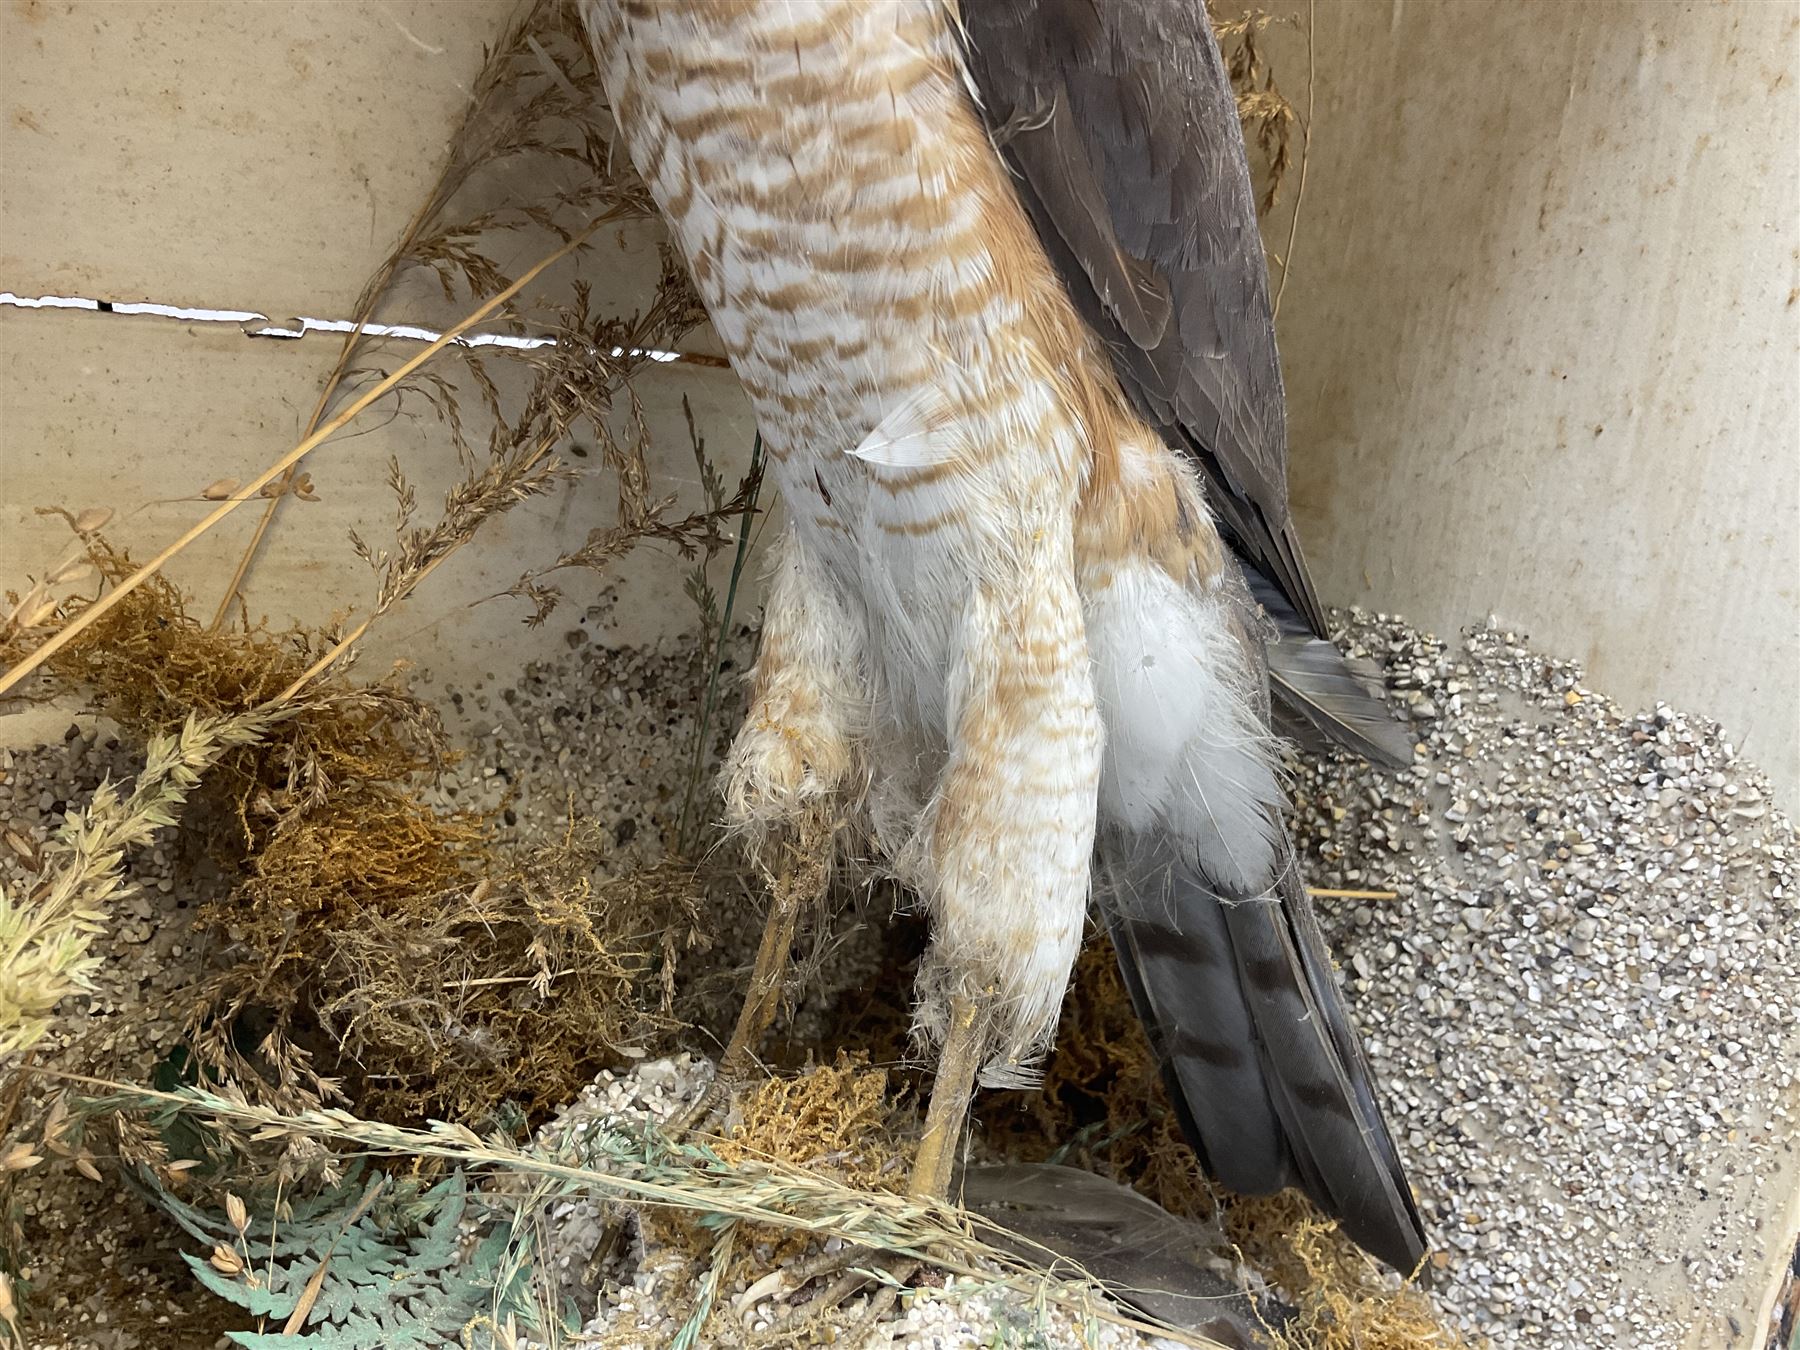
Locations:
1006 848
934 1166
784 776
763 996
1003 861
799 877
965 1040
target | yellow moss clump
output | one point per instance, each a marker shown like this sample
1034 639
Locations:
833 1119
149 665
1342 1300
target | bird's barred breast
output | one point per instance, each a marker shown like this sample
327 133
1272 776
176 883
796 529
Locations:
817 163
926 392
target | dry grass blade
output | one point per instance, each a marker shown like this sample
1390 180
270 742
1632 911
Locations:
316 1281
251 490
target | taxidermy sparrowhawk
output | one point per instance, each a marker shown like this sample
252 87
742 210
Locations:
990 275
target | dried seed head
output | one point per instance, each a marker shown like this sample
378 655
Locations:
56 1119
84 1164
226 1261
94 518
36 606
235 1211
76 569
32 598
219 490
23 849
18 1158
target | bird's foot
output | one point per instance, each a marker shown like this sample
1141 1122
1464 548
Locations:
838 1281
846 1275
707 1113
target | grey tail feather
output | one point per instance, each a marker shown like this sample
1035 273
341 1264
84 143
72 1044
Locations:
1321 698
1242 1009
1323 701
1145 1255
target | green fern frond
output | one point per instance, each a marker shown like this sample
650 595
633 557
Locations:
417 1271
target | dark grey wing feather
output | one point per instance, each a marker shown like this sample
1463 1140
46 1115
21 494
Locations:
1120 125
1171 1268
1119 122
1242 1008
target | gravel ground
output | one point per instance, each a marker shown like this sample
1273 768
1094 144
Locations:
603 733
1580 1004
607 734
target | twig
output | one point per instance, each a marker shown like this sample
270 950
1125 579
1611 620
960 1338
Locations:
1323 893
366 311
92 614
274 1232
489 980
1287 259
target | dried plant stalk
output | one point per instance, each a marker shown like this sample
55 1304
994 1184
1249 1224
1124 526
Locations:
91 614
558 123
645 1167
1267 116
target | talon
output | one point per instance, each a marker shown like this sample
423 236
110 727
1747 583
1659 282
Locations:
856 1269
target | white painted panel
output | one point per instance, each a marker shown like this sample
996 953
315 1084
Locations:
255 156
1542 331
